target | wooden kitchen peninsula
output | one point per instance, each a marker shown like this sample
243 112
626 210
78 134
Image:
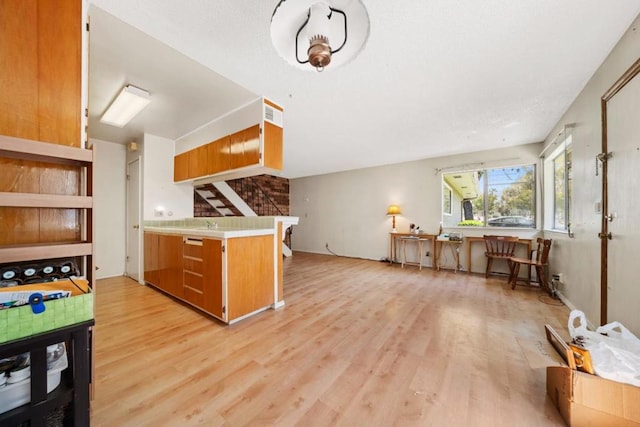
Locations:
228 269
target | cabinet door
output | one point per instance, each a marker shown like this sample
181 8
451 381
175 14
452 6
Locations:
198 162
272 146
251 154
181 167
218 155
212 276
245 147
170 264
40 76
151 258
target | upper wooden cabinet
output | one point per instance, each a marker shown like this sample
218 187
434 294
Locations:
40 70
254 150
218 155
198 162
181 167
245 147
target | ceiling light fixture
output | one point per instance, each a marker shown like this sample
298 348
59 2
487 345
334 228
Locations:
318 33
129 102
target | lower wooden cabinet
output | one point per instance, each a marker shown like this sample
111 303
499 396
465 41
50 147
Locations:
227 278
212 274
163 262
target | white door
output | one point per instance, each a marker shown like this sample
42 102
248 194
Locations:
623 176
133 220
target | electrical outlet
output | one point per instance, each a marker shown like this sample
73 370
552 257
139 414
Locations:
557 277
428 253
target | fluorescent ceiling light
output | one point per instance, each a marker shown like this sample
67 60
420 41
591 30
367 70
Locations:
129 102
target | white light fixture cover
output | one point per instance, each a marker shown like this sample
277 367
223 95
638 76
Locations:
289 16
129 102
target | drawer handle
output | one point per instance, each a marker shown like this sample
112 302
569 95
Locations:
195 242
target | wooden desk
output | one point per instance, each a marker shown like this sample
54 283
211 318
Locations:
471 240
454 247
393 245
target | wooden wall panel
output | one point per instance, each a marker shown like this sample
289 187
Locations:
19 225
39 225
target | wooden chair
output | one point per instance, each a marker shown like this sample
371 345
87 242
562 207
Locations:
498 247
540 261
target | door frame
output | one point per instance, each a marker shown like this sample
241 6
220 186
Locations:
130 234
626 77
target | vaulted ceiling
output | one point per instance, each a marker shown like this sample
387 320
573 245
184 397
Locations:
436 77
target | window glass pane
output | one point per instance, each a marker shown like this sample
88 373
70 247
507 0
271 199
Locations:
559 192
510 196
446 200
499 197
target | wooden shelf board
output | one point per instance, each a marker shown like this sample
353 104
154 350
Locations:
44 251
19 148
32 200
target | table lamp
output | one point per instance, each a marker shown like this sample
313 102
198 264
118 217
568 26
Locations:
392 212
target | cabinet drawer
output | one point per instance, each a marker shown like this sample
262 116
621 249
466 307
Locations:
192 265
193 296
192 248
193 280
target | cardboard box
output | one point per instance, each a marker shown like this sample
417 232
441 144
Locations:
588 400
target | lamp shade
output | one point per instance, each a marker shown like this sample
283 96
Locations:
394 210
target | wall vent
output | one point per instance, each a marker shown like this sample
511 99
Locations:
272 115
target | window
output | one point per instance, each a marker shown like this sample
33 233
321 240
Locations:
558 185
497 197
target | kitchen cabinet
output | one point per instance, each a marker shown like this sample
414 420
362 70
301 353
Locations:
212 274
163 262
151 258
245 147
193 283
41 71
221 152
218 156
198 162
181 167
228 278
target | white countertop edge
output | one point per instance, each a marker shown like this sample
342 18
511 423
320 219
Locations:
205 232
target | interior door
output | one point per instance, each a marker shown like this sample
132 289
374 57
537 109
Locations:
623 142
133 220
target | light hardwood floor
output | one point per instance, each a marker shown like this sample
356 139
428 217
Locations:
359 343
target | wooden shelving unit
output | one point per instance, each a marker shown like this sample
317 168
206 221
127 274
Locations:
74 388
23 149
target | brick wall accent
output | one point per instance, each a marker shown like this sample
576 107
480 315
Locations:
275 188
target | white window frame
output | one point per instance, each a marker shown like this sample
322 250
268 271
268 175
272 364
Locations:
563 147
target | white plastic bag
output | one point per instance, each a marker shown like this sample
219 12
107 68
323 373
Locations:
616 355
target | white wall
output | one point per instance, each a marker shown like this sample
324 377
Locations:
109 187
579 258
347 210
159 189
